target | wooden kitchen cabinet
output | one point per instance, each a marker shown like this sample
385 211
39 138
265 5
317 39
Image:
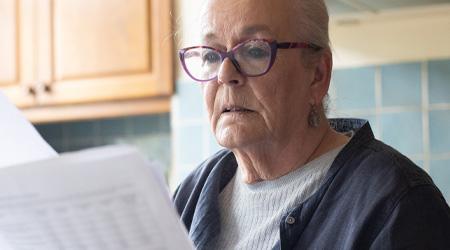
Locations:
16 48
87 58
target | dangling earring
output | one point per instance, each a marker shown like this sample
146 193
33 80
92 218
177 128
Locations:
313 117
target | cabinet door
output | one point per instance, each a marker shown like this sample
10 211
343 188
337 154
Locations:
105 50
16 61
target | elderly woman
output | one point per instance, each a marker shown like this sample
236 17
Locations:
290 178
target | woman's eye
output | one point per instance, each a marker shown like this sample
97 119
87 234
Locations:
211 57
257 53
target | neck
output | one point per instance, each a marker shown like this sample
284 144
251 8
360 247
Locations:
277 158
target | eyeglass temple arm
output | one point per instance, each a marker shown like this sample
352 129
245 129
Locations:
298 45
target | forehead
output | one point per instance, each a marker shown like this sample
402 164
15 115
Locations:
226 20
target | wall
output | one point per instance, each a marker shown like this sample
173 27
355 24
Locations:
407 35
150 134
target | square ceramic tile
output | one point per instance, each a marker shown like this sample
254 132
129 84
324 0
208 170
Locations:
189 144
190 101
401 85
80 130
403 131
50 132
440 172
354 88
150 124
440 131
439 81
156 147
77 145
112 127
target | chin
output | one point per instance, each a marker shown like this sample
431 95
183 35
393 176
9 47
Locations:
236 138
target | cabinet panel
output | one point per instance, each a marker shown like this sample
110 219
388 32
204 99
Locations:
104 50
100 38
8 41
67 55
16 66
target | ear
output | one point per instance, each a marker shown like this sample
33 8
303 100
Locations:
322 77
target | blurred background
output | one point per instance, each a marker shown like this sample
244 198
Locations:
96 72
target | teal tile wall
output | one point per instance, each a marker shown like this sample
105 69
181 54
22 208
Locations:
191 100
439 78
192 138
404 79
337 7
440 131
190 147
403 131
351 81
390 96
151 134
373 121
440 172
415 122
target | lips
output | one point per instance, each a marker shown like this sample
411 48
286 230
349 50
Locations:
233 108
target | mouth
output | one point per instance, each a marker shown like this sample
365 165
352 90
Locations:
235 109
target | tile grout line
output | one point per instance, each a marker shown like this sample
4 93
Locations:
441 156
425 117
439 106
378 100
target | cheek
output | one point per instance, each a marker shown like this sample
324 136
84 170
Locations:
209 98
283 96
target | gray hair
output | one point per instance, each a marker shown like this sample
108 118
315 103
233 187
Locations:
313 21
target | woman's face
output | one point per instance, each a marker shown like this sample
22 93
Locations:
256 111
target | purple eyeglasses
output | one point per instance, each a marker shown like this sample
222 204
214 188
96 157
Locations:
251 58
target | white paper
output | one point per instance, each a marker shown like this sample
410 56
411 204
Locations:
19 141
107 198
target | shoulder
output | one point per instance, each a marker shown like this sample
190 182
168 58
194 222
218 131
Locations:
374 175
378 192
376 165
193 184
373 165
420 219
217 160
380 163
377 174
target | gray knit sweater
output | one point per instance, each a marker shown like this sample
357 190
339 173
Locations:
251 213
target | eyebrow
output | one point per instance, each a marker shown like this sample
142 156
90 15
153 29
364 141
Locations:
251 30
246 31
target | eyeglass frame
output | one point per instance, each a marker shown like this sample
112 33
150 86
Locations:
274 46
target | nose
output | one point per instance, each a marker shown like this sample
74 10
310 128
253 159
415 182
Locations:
229 74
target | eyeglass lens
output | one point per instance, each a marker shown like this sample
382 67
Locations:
253 58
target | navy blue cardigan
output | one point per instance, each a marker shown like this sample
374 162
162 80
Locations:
372 198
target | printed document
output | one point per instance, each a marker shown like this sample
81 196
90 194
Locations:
107 198
19 141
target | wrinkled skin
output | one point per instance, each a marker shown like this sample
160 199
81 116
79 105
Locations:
274 138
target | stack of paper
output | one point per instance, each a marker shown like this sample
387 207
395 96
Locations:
107 198
19 141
